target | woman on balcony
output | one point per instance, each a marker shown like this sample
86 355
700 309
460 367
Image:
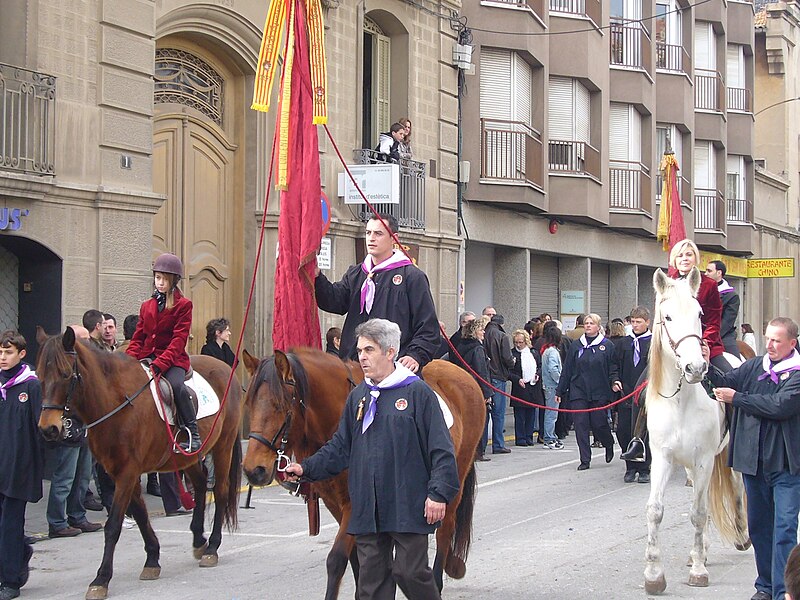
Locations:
405 145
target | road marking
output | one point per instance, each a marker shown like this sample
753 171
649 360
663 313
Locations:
266 536
534 472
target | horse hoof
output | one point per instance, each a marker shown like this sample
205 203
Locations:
455 567
698 580
656 586
150 573
745 546
97 592
199 552
209 560
689 483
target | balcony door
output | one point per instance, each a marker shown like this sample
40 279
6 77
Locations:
626 42
625 156
705 186
668 36
569 120
377 63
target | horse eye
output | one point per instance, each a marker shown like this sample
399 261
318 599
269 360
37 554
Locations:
668 318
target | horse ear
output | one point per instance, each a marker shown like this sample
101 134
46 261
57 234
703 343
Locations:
41 335
660 281
282 366
68 339
250 362
694 280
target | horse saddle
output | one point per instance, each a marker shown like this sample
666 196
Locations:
204 399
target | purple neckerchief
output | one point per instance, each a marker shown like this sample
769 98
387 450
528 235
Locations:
723 287
637 351
401 377
595 342
790 363
24 375
395 261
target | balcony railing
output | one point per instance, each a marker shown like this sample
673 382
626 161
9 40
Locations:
511 151
584 8
411 210
629 46
571 157
537 6
630 185
670 57
740 99
740 211
709 206
27 121
709 90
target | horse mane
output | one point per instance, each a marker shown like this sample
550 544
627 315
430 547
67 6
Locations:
268 374
655 359
52 353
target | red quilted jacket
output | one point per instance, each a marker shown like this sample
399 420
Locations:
164 334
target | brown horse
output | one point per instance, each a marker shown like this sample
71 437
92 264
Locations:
745 350
296 400
133 440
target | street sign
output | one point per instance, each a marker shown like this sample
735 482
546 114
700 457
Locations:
770 267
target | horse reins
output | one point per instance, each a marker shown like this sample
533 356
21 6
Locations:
674 345
75 379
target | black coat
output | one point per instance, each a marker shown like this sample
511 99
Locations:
727 327
498 349
590 376
766 418
224 353
402 295
628 373
530 393
473 353
22 456
404 457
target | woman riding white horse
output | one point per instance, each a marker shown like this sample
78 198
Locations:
686 428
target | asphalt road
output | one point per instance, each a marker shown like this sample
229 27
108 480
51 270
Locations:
541 530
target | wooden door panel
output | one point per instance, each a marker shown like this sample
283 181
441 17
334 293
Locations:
166 180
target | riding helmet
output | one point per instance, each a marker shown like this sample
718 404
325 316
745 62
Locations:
168 263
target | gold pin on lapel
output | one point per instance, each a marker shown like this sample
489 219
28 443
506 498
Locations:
360 409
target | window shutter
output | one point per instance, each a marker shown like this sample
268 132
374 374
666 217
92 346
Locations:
544 285
523 83
704 51
599 291
702 173
582 118
735 66
382 61
560 113
495 84
619 132
635 147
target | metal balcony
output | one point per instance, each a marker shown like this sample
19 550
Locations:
740 99
511 151
630 186
537 6
410 212
629 46
740 210
27 121
670 57
709 210
584 8
709 90
572 157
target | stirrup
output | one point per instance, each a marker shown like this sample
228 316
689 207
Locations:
189 444
634 452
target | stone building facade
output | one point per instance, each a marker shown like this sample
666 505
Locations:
137 138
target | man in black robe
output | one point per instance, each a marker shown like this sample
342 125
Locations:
385 286
402 468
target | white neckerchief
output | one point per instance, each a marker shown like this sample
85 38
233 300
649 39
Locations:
399 374
528 365
790 363
723 286
395 261
596 342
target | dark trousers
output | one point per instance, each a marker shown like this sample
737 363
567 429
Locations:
597 421
378 572
627 418
14 552
524 424
169 492
773 502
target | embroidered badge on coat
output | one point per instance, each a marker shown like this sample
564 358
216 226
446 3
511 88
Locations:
602 348
401 404
397 279
23 397
785 376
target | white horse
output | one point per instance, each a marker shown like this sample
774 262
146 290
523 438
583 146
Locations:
687 428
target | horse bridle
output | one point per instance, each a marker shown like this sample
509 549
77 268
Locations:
674 345
75 380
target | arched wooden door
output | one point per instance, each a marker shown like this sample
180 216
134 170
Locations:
193 166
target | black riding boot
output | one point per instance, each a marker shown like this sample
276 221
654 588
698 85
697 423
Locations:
186 411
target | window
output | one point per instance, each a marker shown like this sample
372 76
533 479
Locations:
706 207
183 78
735 190
738 98
675 140
667 33
376 113
569 122
707 81
625 156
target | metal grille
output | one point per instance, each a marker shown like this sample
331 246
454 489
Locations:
183 78
27 120
9 290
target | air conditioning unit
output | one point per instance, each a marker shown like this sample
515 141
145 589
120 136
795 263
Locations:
462 56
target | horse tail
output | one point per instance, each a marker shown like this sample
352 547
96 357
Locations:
230 517
726 502
462 538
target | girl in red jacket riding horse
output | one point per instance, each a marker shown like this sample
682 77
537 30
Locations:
164 324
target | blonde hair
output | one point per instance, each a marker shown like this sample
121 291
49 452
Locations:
524 335
680 247
598 321
470 330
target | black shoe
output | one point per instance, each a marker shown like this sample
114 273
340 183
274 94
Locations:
759 595
193 443
630 477
501 451
482 458
609 454
521 443
635 451
92 503
583 467
7 592
644 477
154 489
26 566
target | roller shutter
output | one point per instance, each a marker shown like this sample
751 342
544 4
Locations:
599 291
544 285
646 295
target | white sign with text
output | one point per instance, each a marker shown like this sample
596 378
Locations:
380 183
